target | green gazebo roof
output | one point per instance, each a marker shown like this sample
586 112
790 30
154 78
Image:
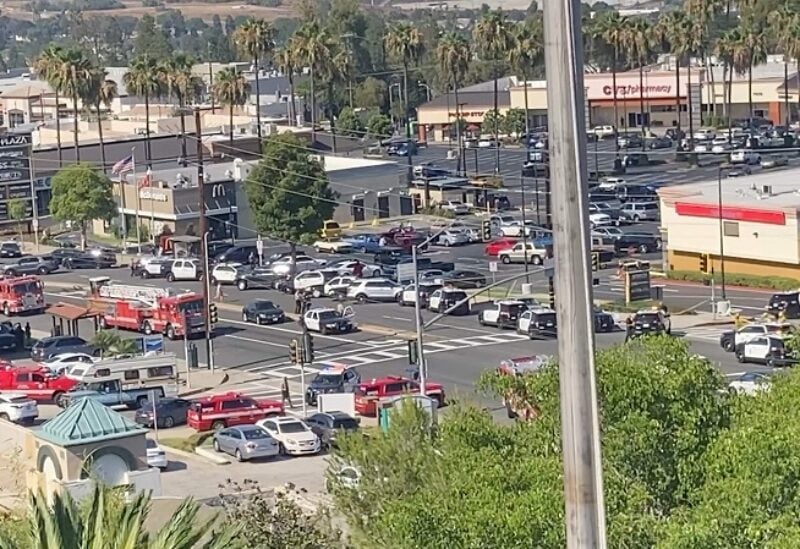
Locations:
87 421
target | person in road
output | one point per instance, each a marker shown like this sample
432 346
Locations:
285 396
133 267
306 302
358 269
252 259
298 301
628 328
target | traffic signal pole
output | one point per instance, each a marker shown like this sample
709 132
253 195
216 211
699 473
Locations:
204 238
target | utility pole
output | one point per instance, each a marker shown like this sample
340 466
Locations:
583 483
203 234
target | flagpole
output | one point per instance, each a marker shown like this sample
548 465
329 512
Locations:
123 222
138 203
152 207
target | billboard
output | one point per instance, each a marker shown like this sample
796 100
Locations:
15 172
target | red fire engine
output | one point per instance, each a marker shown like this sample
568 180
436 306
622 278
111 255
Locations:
219 411
34 382
146 309
22 294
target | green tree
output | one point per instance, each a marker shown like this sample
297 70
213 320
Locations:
349 123
17 211
452 57
492 122
612 28
76 75
370 94
288 192
255 39
66 525
144 79
150 40
473 482
267 521
312 47
81 195
526 55
230 88
379 126
514 122
109 342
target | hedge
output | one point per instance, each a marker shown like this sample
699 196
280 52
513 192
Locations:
734 279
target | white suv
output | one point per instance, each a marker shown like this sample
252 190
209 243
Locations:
185 269
18 408
314 281
745 156
224 274
375 289
516 254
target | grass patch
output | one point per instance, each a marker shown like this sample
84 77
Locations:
188 444
733 279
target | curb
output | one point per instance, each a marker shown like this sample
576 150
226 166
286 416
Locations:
211 456
190 392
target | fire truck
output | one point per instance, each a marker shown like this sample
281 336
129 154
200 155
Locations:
146 309
35 383
229 409
22 294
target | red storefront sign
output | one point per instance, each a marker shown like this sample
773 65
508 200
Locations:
731 213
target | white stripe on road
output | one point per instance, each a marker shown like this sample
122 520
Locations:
259 341
287 330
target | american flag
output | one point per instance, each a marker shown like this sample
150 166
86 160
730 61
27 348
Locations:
123 166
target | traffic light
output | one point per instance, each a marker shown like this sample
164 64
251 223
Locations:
704 263
213 314
308 348
595 261
413 356
486 230
295 352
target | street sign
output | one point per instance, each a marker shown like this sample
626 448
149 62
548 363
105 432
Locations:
15 172
637 285
493 266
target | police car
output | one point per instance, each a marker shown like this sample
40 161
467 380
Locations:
325 321
770 350
730 339
651 322
503 314
334 377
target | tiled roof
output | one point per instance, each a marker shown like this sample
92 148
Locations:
87 421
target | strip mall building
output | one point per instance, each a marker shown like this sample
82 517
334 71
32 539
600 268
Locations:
650 101
756 229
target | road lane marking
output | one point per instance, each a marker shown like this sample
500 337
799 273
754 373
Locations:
251 340
398 318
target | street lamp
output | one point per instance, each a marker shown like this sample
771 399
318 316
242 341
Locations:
721 228
428 89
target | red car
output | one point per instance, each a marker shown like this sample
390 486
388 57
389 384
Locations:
496 246
369 393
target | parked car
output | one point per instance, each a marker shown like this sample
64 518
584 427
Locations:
55 345
294 436
73 258
29 264
538 323
494 247
285 266
314 281
408 295
536 254
332 378
374 289
613 212
365 243
328 425
222 273
769 350
325 321
246 442
659 143
603 321
634 212
750 383
18 408
786 303
730 339
262 311
463 279
443 299
347 267
333 246
258 277
641 242
169 412
452 238
185 269
153 267
10 249
156 457
604 132
502 314
237 254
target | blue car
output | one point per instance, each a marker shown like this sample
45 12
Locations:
365 243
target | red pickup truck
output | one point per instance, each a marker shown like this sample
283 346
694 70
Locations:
35 382
229 409
369 393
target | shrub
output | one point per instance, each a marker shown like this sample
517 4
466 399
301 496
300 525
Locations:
734 279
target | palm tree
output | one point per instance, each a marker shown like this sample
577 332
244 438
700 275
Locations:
312 42
286 61
231 89
525 56
334 72
405 43
670 30
754 46
792 45
177 78
783 22
76 71
725 49
143 79
495 39
66 525
638 41
452 56
255 38
47 66
100 91
612 28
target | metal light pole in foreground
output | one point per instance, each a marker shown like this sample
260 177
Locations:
583 484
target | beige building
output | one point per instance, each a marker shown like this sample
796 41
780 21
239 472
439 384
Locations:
758 218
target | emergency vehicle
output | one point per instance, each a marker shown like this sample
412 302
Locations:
147 309
518 406
22 294
368 394
35 383
229 409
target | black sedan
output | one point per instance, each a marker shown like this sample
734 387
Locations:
637 242
168 412
262 311
256 277
464 279
8 339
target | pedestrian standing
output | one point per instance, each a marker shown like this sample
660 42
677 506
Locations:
219 296
133 267
306 302
27 333
252 259
628 328
358 269
285 396
298 302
